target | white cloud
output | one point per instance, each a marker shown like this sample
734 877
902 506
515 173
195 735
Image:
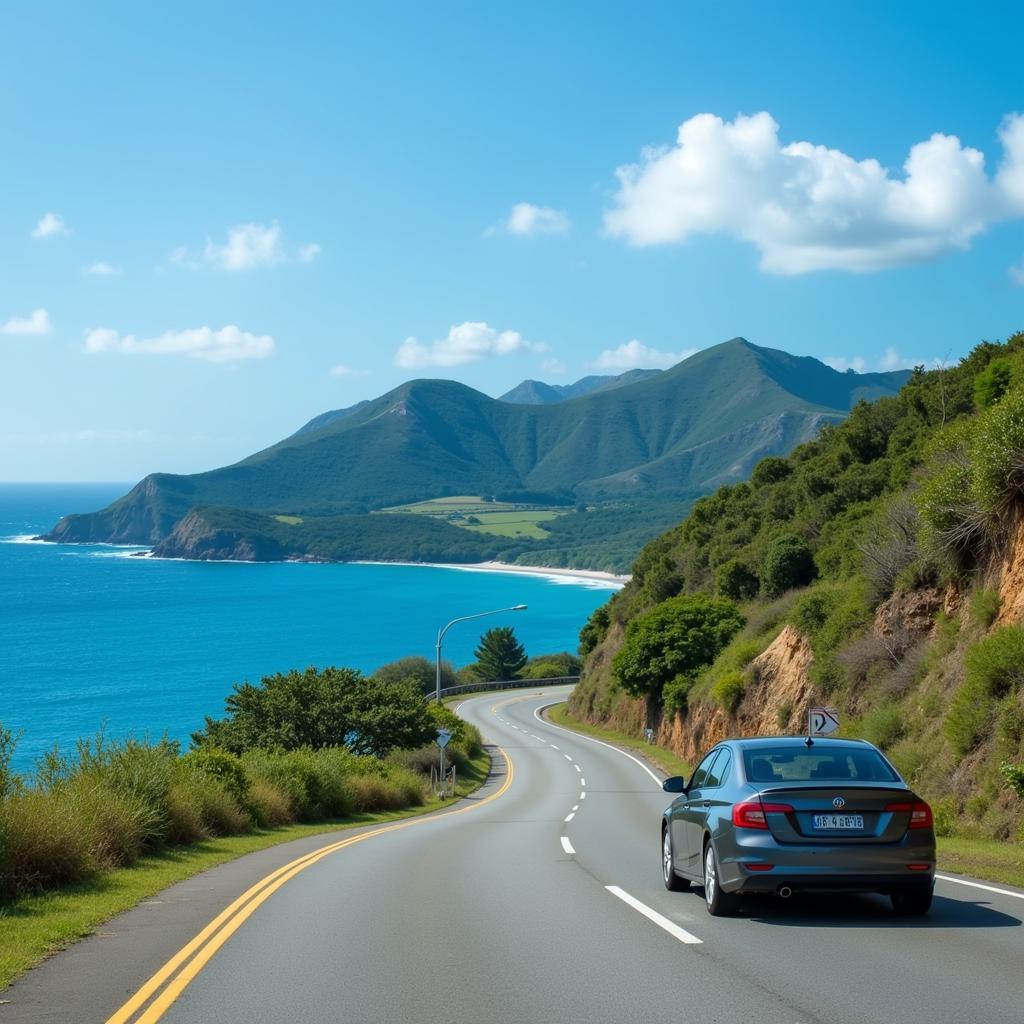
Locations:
528 220
101 269
341 370
806 207
842 364
227 345
50 224
892 360
633 355
555 367
37 322
247 247
465 343
1017 274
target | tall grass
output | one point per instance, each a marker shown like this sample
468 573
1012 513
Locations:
107 804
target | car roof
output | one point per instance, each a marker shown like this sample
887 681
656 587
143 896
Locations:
753 742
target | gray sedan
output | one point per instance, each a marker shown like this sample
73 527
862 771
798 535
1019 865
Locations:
784 815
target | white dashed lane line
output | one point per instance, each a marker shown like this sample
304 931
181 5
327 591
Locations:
576 807
568 757
569 817
583 794
578 768
652 915
566 845
553 747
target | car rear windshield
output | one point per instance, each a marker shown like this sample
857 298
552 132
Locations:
802 764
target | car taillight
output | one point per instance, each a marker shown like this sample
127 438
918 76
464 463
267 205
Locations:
752 814
920 813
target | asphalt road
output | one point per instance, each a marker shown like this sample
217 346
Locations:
540 901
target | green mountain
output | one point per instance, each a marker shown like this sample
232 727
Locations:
877 569
535 392
675 435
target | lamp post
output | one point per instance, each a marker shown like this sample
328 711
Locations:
463 618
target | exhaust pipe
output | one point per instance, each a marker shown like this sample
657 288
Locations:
785 891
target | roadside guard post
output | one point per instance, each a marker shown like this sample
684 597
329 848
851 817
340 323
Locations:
821 722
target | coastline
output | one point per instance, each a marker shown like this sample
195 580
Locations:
585 577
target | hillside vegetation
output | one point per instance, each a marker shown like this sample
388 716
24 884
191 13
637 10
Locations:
663 438
878 568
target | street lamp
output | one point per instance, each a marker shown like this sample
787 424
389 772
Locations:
463 618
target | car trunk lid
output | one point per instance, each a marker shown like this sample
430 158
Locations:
840 813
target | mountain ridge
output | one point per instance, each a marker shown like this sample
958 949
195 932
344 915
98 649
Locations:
678 432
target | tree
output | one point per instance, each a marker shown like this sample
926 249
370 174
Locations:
595 629
329 708
671 642
736 580
422 670
788 563
992 383
553 666
500 655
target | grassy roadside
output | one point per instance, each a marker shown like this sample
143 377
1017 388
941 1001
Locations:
989 859
34 927
668 762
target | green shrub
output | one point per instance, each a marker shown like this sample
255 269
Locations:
985 606
787 564
736 580
992 383
1013 774
728 690
944 813
268 806
118 826
224 767
883 725
994 669
675 693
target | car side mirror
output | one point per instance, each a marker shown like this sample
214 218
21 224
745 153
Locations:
674 784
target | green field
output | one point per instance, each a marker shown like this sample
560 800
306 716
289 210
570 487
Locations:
470 512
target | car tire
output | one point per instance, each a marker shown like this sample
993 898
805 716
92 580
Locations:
718 902
672 881
912 902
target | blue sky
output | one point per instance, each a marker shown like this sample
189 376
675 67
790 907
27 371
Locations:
217 221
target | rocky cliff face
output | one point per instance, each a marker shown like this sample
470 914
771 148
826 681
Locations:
195 538
776 700
1011 578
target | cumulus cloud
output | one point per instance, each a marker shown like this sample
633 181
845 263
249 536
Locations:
227 345
806 207
858 364
101 269
528 220
892 360
50 224
247 247
633 355
465 343
37 322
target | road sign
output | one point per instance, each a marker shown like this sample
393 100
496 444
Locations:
443 737
822 721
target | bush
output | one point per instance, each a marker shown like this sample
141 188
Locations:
225 768
268 806
675 693
729 689
552 666
421 670
117 826
994 669
736 580
985 606
883 726
787 564
1013 774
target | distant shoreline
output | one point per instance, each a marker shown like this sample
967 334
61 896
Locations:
608 579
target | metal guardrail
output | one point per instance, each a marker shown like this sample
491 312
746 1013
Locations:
508 684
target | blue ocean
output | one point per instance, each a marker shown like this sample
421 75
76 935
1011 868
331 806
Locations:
93 637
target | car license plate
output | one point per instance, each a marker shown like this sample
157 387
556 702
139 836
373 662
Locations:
839 821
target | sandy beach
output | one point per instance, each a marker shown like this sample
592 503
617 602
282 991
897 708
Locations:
591 577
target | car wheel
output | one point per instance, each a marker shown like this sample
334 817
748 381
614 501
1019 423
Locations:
914 903
718 902
672 881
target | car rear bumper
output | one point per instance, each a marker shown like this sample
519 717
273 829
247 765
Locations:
773 881
868 867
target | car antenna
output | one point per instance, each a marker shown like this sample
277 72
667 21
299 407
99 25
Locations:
810 739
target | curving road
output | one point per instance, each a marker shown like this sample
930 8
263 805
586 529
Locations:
540 900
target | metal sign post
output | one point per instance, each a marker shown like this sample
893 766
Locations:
443 739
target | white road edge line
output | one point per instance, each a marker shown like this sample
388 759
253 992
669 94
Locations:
978 885
652 915
566 845
569 817
581 736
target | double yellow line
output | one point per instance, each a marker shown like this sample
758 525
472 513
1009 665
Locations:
175 976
